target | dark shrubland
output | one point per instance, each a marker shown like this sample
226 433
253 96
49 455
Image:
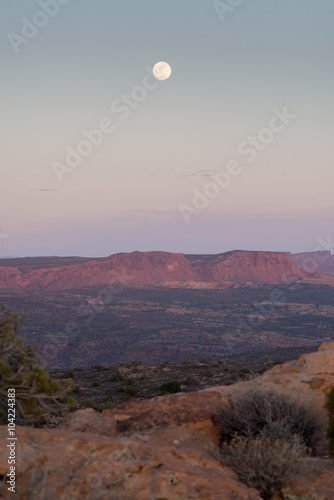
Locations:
269 413
265 436
264 463
330 411
170 387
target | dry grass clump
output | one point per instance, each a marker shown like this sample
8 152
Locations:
264 463
265 436
271 413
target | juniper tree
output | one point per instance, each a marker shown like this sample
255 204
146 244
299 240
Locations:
20 369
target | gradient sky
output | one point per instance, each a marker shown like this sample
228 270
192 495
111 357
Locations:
227 76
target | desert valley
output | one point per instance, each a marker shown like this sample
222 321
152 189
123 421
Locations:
253 307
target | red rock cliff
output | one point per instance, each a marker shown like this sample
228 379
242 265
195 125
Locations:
154 268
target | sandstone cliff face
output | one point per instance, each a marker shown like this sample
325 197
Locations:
255 267
312 262
158 268
165 448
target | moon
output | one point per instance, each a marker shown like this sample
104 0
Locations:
162 71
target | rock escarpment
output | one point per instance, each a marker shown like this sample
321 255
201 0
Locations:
159 269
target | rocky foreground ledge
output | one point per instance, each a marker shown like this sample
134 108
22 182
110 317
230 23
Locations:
162 449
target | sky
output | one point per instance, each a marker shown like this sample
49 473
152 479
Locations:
233 151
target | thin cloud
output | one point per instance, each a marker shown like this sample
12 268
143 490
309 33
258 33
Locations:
150 212
199 173
208 173
44 189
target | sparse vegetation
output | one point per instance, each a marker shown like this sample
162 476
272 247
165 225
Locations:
146 380
68 373
90 403
117 377
100 368
264 463
129 381
132 392
170 387
20 369
190 381
270 413
48 311
330 411
265 436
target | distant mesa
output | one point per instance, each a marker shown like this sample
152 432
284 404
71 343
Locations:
174 270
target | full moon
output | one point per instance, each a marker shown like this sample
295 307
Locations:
162 71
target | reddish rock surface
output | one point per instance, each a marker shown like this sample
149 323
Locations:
164 448
315 261
156 268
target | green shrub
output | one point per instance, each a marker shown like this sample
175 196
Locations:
68 373
190 381
170 387
20 370
95 384
100 368
129 381
117 377
270 413
132 392
89 403
76 390
330 411
41 422
264 463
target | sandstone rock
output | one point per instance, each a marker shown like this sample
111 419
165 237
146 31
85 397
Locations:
66 465
154 268
317 485
164 448
322 261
